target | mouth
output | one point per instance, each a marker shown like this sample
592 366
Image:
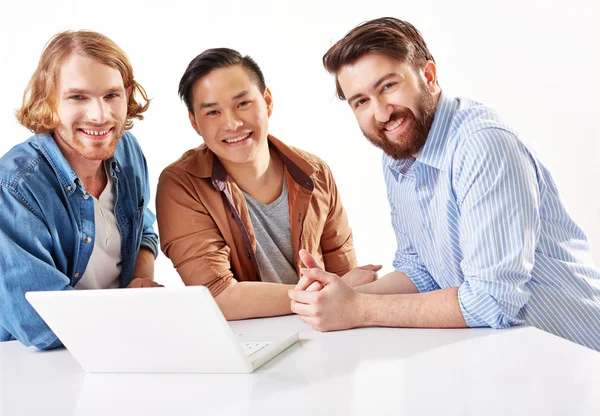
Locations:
96 134
394 126
236 140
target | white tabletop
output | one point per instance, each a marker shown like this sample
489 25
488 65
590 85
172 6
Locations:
371 371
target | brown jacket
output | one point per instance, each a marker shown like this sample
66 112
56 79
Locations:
206 231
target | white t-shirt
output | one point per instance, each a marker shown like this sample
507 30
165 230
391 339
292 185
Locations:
104 268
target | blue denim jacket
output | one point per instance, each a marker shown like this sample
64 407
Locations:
46 217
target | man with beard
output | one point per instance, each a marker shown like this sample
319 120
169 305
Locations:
483 238
74 196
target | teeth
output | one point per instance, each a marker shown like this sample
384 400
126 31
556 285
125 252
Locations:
237 139
95 132
395 125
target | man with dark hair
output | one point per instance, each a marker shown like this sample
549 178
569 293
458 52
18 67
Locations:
74 196
483 237
234 212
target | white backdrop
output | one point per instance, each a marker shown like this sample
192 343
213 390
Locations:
535 61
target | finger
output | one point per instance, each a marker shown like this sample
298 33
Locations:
320 275
371 267
303 283
308 260
303 296
302 309
312 321
135 283
314 287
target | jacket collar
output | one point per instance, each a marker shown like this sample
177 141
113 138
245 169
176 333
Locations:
207 165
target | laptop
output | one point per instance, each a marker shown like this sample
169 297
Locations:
153 330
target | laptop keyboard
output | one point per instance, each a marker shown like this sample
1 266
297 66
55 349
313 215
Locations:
253 347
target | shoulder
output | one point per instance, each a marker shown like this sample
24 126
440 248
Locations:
195 162
479 135
318 163
24 170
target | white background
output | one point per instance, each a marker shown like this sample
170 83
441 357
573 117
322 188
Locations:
536 62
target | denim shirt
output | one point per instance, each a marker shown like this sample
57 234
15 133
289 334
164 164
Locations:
47 227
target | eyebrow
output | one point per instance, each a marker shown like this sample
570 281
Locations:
88 92
235 97
375 85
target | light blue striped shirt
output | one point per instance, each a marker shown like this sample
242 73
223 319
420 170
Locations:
477 210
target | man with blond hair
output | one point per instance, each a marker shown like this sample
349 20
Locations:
74 196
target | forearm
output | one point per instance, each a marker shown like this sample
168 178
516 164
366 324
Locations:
392 283
144 264
436 309
244 300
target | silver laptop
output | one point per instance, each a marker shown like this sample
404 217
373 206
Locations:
153 330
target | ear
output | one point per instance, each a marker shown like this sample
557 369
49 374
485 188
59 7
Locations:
128 91
429 75
194 124
269 100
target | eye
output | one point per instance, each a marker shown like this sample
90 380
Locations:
244 103
361 102
77 97
212 113
388 86
112 95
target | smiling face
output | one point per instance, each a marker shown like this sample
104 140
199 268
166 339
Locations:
92 109
393 104
232 115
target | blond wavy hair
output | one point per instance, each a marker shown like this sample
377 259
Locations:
38 111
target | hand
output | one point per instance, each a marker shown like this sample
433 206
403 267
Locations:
143 282
361 275
310 263
335 307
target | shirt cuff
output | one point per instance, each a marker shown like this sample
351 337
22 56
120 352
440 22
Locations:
150 241
480 309
422 280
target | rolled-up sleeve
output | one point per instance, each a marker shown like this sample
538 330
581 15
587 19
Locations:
498 196
190 237
406 260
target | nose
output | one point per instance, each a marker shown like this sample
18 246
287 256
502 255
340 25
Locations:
231 121
382 110
97 111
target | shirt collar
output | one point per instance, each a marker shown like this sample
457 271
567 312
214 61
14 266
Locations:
433 152
65 173
206 165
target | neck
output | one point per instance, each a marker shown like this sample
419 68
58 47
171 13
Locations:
262 178
90 172
256 170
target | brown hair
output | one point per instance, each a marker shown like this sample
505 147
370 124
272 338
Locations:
386 36
38 111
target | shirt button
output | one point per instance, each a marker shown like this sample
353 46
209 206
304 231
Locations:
77 275
431 225
69 188
442 267
88 239
86 196
422 187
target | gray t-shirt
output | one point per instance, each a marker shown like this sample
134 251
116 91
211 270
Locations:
271 225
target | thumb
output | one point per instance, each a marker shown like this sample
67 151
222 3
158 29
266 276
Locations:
308 260
371 267
319 275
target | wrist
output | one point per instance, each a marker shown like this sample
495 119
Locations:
363 312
